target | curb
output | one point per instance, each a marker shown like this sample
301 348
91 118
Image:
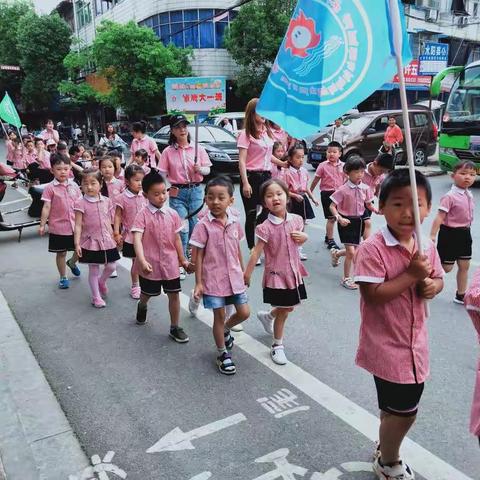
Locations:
36 440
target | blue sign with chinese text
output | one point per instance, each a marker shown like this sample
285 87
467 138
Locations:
434 58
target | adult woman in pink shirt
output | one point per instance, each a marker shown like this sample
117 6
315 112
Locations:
255 145
49 133
393 134
142 140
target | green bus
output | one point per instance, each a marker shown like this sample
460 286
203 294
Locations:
460 128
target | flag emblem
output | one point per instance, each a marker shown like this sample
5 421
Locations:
301 36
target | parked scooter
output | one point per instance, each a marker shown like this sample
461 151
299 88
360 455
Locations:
8 176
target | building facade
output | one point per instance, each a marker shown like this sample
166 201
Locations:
171 20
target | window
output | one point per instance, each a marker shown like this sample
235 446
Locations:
102 6
181 27
420 119
84 13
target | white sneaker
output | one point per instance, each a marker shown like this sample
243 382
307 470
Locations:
277 352
114 274
303 256
266 320
183 275
401 471
237 328
193 305
335 257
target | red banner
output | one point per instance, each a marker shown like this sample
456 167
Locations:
411 75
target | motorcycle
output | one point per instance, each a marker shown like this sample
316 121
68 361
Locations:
12 178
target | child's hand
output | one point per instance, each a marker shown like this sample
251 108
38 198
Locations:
433 238
297 198
146 267
41 230
315 202
299 237
246 279
118 239
198 292
189 267
343 221
420 267
196 168
78 251
426 288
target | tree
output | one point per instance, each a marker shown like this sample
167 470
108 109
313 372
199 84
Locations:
136 63
253 40
10 16
43 42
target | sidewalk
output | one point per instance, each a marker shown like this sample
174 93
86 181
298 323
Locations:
36 440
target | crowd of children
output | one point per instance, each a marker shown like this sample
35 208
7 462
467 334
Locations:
126 210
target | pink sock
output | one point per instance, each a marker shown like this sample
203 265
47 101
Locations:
107 271
93 277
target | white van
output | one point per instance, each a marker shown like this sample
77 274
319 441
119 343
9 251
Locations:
236 120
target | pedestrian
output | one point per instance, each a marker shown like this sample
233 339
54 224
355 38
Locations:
219 267
51 145
94 242
40 169
158 249
339 133
119 172
140 157
331 177
394 283
472 302
374 175
127 206
59 197
112 141
393 136
30 155
348 207
18 155
142 140
185 173
49 132
87 160
111 187
226 125
279 169
10 143
255 144
452 223
279 238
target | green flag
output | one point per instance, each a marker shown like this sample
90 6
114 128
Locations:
8 112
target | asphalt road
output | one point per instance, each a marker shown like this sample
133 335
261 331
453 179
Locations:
124 387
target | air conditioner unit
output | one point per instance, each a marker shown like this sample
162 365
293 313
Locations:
431 15
463 21
428 4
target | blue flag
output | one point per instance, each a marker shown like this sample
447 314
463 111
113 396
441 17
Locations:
334 55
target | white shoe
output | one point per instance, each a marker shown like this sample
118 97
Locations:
335 258
237 328
114 274
183 275
401 471
266 320
303 256
277 352
193 305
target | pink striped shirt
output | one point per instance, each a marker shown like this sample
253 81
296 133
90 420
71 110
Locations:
146 143
373 181
297 179
131 204
259 151
351 199
331 175
458 205
472 302
393 341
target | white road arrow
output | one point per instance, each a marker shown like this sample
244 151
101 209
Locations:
179 440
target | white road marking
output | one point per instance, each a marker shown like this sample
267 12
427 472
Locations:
420 459
178 440
202 476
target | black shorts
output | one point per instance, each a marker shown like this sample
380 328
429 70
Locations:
99 256
128 251
454 244
367 214
282 297
352 233
153 288
60 243
399 399
326 202
304 209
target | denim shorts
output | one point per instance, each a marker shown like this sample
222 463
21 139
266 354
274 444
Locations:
211 301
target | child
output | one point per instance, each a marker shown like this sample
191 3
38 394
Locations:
112 187
117 161
158 250
18 156
140 158
279 163
87 160
30 153
127 205
59 197
373 177
219 267
331 177
283 288
394 281
10 144
348 206
452 223
40 169
472 302
94 241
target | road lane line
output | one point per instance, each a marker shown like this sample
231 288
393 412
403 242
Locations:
420 459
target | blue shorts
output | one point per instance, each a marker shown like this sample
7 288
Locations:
211 301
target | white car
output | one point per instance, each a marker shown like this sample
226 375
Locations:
236 120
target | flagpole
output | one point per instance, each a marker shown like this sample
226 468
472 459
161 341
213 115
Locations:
397 43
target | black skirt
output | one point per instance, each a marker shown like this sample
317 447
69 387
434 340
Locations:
60 243
304 209
352 233
128 251
454 244
99 256
284 297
